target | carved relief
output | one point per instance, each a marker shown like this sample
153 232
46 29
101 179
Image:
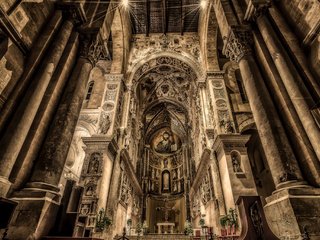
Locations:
236 162
104 123
142 46
94 165
238 44
92 49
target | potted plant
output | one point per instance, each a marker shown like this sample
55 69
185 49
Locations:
233 221
224 222
202 222
230 221
188 229
129 224
139 228
102 221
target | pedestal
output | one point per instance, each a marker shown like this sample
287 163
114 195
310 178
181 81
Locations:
35 214
290 212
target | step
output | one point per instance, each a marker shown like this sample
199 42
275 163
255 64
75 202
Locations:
159 237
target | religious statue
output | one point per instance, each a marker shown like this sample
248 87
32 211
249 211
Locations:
165 162
89 191
105 123
174 174
84 209
165 181
165 145
236 163
94 163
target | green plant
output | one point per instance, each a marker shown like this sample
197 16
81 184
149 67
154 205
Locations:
188 229
129 222
139 228
230 219
233 217
202 222
224 221
102 221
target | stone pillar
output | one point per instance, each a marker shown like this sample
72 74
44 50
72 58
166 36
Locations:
234 167
45 113
42 191
15 136
112 109
217 184
36 56
221 106
95 178
52 157
281 159
305 154
291 81
298 53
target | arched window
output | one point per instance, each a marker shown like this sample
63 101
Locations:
243 94
90 88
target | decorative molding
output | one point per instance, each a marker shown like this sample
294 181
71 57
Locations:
238 43
92 49
255 8
228 143
185 45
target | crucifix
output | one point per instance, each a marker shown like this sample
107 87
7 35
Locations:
166 210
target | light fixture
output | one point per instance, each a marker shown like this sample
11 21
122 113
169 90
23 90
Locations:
203 4
125 3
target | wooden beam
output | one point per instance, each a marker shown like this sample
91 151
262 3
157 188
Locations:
9 29
182 8
164 16
147 17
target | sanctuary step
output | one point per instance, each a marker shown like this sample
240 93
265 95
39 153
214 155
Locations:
159 237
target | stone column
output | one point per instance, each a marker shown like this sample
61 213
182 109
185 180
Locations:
219 99
51 160
281 159
217 184
305 154
42 191
238 179
292 82
16 135
36 56
45 113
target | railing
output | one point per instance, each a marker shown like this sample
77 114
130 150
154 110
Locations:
123 237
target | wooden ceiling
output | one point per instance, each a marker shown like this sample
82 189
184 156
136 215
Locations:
164 16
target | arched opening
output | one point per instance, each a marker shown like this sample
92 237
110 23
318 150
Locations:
163 104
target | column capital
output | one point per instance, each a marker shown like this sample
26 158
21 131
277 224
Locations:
255 8
114 77
73 10
238 43
92 48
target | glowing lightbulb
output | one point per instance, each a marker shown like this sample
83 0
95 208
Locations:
125 3
203 4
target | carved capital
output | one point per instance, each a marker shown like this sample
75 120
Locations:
92 49
73 10
114 77
255 8
238 44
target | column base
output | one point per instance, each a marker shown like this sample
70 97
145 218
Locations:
35 214
5 185
289 212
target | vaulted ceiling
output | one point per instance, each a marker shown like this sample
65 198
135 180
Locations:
164 16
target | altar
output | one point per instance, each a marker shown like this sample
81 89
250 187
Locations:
165 227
